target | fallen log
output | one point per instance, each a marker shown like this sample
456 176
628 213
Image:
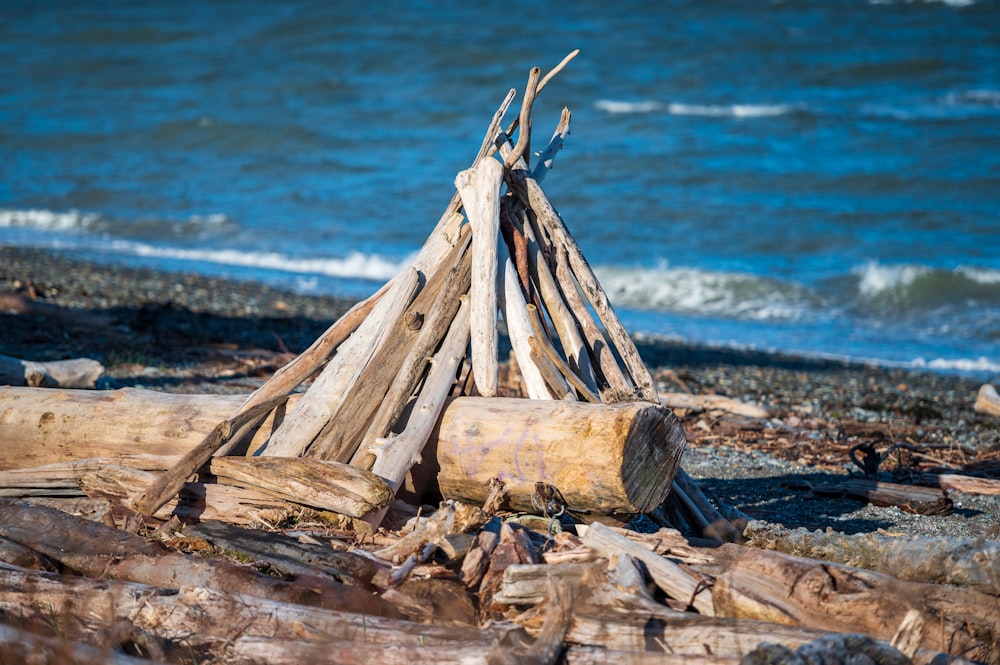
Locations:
39 426
100 551
613 459
74 373
908 498
780 588
970 562
22 646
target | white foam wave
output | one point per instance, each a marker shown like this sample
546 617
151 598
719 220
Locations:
732 110
355 265
876 279
977 365
49 220
617 106
704 110
949 3
706 293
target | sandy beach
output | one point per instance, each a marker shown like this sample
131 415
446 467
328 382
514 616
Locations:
186 333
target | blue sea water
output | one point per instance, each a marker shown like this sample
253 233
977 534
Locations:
812 176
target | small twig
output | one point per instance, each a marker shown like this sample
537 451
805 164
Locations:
521 148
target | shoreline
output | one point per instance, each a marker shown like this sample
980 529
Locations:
180 332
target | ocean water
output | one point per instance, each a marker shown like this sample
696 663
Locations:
818 177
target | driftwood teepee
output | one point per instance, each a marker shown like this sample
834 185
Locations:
391 363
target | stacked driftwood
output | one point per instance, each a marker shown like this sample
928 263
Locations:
273 528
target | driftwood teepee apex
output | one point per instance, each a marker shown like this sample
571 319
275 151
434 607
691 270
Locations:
406 344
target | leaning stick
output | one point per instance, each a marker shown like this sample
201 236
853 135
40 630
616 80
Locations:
553 223
326 394
540 341
523 148
577 356
170 483
548 156
515 314
480 190
432 331
396 456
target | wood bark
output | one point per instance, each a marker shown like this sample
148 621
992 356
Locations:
969 562
780 588
328 391
74 373
398 455
480 190
39 426
612 459
99 551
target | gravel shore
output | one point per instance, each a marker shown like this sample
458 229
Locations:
188 333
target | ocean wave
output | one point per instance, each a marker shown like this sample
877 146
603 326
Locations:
355 265
704 110
915 287
964 365
707 293
949 3
78 222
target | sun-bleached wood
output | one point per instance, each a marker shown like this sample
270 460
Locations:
612 459
712 403
324 396
74 373
395 457
519 328
39 426
667 575
480 190
987 400
432 331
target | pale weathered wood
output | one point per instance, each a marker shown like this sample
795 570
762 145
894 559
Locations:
547 157
553 223
667 575
324 396
712 403
908 498
342 435
432 331
612 459
987 400
32 648
570 337
396 456
97 550
540 345
74 373
519 327
961 483
39 426
480 190
970 562
778 587
167 484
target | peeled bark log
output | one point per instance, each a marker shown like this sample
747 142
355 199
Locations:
75 373
40 426
780 588
611 459
970 562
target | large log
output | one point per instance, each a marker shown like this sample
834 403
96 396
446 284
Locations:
609 458
39 426
75 373
612 459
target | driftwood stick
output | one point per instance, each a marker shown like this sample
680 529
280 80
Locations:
541 341
541 84
522 149
168 484
712 403
515 315
597 346
577 356
550 219
75 373
961 483
548 156
480 190
987 400
395 457
432 331
326 394
667 575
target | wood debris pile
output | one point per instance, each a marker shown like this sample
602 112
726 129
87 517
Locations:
283 528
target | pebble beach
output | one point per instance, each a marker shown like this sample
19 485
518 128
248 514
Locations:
188 333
